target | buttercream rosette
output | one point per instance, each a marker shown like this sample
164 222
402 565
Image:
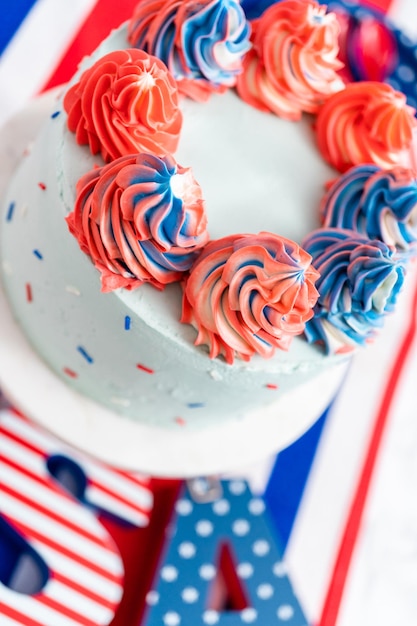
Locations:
367 122
249 294
201 42
381 204
359 282
293 64
126 103
141 219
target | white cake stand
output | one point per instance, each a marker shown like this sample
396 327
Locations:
36 391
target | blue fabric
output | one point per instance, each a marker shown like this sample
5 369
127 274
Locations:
288 479
11 19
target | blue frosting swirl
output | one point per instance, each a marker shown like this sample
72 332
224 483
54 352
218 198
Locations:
212 38
359 283
196 40
381 204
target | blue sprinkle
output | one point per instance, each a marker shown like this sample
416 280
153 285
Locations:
195 405
38 254
55 114
85 354
10 211
127 322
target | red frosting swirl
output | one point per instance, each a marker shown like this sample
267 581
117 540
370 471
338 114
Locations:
367 122
249 294
127 102
293 65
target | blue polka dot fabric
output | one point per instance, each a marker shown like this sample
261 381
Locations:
181 596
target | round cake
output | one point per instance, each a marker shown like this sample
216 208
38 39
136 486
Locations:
187 245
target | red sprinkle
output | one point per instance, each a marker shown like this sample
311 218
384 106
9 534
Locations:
180 421
148 370
42 186
29 295
271 386
69 372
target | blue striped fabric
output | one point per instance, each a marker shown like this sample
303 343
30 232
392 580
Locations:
11 20
288 478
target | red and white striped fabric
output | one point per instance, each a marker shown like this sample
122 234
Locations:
85 581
